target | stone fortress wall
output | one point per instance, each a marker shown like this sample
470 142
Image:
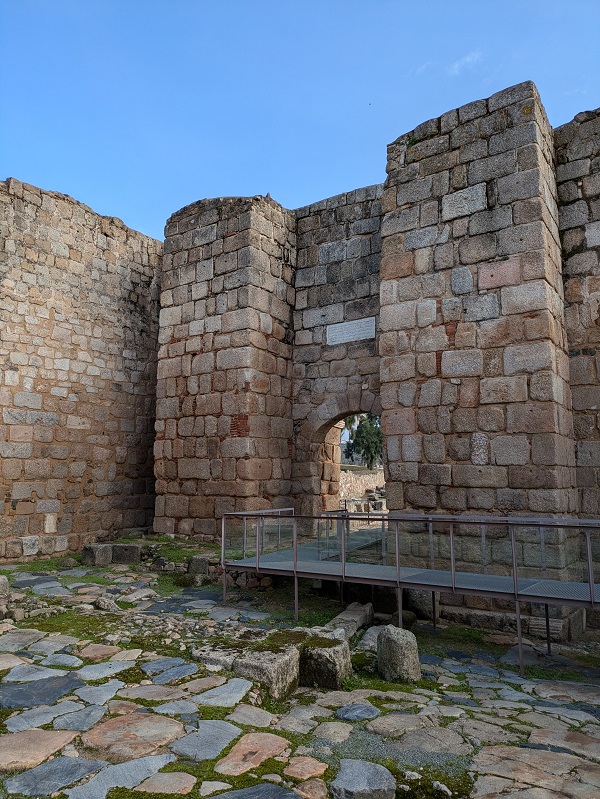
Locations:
78 330
459 300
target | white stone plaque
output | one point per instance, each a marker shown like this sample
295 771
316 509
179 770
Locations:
357 330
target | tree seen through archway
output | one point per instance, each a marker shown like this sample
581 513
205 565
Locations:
365 439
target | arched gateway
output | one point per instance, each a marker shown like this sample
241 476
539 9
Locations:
435 300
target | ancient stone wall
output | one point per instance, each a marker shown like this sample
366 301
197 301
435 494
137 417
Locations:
224 406
78 328
474 370
578 176
337 283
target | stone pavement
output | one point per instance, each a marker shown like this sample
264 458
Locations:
79 718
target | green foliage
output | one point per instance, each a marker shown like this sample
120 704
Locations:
366 438
460 784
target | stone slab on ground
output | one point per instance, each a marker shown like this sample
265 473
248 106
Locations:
251 716
39 692
357 712
208 741
27 749
173 782
52 644
208 787
8 661
175 674
228 695
98 652
99 694
39 716
161 664
359 779
28 672
133 736
53 775
304 768
266 790
100 671
67 661
16 640
176 708
334 732
82 720
154 693
125 775
250 751
575 742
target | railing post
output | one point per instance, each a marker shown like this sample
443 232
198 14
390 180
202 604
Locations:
398 587
452 558
295 542
224 572
588 546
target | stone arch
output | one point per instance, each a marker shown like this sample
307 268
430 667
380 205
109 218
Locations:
316 457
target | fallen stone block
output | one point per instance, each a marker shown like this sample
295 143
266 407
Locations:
398 655
198 565
126 553
278 671
324 663
97 554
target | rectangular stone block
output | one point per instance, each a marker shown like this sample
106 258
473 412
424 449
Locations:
462 363
526 297
529 358
97 555
126 553
503 389
499 273
510 450
540 417
464 202
480 476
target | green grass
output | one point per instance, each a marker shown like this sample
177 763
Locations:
461 783
93 626
48 564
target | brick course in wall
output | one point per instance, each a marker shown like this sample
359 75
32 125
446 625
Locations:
78 328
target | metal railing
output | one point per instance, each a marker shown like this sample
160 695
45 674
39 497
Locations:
550 561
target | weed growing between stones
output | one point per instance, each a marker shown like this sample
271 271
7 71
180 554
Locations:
460 784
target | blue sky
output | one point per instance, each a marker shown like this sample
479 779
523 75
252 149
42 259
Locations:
138 107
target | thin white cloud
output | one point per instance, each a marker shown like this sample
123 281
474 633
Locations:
466 62
422 68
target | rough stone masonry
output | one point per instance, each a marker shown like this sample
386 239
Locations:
459 300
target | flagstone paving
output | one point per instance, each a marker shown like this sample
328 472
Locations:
115 715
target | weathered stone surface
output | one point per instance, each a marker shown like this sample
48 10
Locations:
303 768
4 587
398 655
250 751
278 671
52 776
251 716
125 775
81 720
396 724
39 716
227 695
126 553
97 554
155 693
133 736
357 712
359 779
30 673
312 789
99 671
23 750
15 640
97 652
208 787
265 790
175 782
325 666
334 732
39 692
435 739
99 694
208 742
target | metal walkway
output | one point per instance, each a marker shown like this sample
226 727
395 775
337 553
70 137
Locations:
377 549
